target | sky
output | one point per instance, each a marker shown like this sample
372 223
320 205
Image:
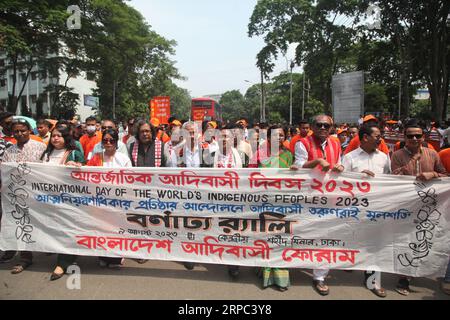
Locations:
213 49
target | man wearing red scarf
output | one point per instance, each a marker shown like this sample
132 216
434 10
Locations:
319 151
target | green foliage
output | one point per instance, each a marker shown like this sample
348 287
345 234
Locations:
410 47
313 108
233 106
375 98
421 109
321 44
131 62
274 117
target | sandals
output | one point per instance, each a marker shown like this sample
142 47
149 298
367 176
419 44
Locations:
57 275
403 291
321 287
403 287
141 261
282 289
20 267
188 265
379 292
445 287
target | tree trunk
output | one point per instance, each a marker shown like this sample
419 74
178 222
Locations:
24 84
12 103
438 83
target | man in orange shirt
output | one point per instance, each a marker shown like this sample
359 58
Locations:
160 135
91 138
305 130
445 159
355 143
43 128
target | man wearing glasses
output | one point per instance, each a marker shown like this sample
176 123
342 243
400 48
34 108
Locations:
415 160
121 147
319 151
369 160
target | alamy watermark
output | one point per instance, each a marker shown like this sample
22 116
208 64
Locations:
74 279
374 279
374 11
74 21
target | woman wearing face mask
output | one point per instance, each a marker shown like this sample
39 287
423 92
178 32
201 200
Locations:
63 151
110 158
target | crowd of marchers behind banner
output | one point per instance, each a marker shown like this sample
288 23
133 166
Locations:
370 146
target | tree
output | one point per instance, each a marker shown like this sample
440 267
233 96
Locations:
321 43
278 96
419 31
31 31
375 98
409 49
233 106
313 108
252 103
132 63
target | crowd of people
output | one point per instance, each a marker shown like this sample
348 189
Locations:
320 144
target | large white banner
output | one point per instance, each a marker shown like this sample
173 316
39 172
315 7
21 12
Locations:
251 217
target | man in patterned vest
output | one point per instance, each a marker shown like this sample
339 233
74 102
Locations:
147 150
319 151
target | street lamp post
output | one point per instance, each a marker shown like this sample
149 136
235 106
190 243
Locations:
303 98
303 92
262 115
290 100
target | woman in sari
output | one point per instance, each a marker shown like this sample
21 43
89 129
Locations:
274 154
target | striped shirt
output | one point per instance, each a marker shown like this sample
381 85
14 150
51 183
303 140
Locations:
428 161
30 152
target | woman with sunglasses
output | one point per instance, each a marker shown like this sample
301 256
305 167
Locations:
62 150
110 158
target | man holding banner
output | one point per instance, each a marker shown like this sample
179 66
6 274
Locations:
415 160
371 161
26 150
4 145
319 151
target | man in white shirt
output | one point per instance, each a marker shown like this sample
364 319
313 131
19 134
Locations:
192 150
189 154
371 161
367 158
360 120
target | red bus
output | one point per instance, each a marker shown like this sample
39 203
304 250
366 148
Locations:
205 109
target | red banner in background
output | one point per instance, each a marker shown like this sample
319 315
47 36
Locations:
160 109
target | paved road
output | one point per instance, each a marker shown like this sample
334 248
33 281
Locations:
169 280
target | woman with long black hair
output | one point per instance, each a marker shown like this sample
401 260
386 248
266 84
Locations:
62 150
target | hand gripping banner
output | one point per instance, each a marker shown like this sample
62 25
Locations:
250 217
